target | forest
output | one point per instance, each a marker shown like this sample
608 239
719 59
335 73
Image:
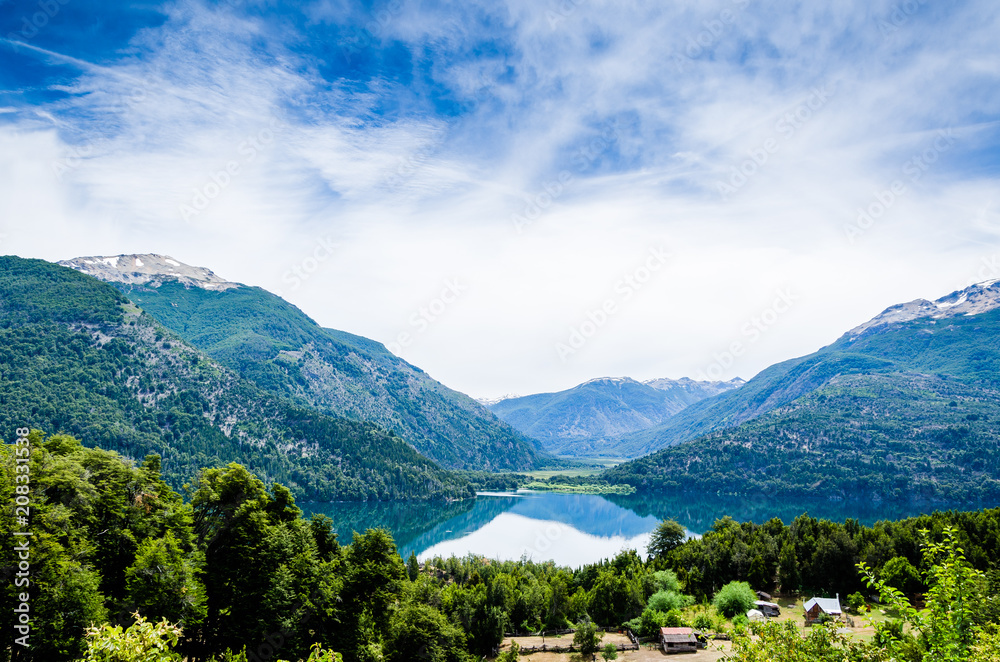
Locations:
230 570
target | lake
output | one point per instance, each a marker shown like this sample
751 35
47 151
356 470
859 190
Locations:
571 529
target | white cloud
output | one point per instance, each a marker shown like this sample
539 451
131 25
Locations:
415 192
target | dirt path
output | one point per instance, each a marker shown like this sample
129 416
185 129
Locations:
714 653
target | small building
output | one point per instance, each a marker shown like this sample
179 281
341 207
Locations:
816 607
678 640
769 609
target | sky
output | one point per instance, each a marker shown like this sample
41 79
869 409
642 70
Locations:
518 196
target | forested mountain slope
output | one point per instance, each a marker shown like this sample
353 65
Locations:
273 344
903 406
77 357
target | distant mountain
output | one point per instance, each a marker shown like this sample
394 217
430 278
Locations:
905 405
588 419
78 357
277 347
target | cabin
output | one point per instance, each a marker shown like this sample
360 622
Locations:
816 607
678 640
769 609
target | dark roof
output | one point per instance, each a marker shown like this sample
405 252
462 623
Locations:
676 631
678 636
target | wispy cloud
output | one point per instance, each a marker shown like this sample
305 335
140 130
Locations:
745 139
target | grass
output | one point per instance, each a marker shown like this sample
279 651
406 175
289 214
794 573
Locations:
594 488
594 466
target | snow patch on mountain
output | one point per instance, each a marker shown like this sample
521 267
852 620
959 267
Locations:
973 300
147 269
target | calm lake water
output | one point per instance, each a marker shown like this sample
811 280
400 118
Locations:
571 529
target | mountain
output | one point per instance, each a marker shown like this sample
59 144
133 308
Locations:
77 357
273 344
904 405
586 420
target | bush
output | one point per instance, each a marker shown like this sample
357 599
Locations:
741 622
673 619
703 622
143 641
662 580
650 622
667 600
735 598
856 603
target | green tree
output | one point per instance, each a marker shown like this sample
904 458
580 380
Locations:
788 568
420 632
735 598
899 573
609 652
163 582
587 639
667 536
412 567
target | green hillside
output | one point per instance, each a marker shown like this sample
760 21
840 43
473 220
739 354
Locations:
77 357
905 410
275 345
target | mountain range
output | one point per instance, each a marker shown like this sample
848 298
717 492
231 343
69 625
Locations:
902 406
277 347
587 420
77 357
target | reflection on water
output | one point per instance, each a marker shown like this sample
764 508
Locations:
571 529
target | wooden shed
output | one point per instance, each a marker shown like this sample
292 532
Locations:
816 607
678 640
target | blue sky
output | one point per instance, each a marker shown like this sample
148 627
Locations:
519 196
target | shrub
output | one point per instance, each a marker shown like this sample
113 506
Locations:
143 641
667 600
856 603
741 622
735 598
650 622
673 619
703 622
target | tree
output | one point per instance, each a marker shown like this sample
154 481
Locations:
735 598
587 639
412 567
420 632
788 568
899 573
163 582
609 652
667 536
